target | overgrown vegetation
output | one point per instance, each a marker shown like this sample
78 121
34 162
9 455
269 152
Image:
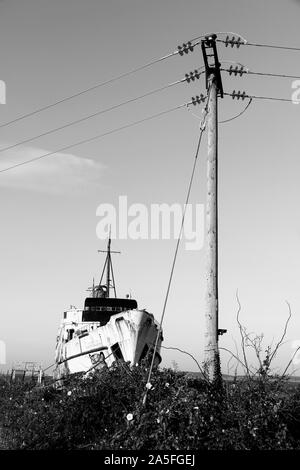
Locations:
105 412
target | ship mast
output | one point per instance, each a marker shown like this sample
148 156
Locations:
108 267
110 279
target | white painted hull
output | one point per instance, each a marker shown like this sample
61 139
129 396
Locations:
127 335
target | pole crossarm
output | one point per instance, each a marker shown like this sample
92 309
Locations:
211 61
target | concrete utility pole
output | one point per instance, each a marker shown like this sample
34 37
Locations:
212 310
214 87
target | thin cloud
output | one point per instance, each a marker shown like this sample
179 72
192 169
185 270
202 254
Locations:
60 173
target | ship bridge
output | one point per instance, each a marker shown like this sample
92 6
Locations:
100 309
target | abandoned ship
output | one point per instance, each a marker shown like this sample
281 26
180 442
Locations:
106 330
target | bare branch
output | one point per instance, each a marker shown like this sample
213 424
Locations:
242 333
289 363
189 354
236 357
228 362
256 344
284 333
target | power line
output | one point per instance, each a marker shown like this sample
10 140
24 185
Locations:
243 95
86 90
280 75
181 50
239 42
202 128
272 46
98 113
242 71
101 84
232 118
90 139
271 98
238 115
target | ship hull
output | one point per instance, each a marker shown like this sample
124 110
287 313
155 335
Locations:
128 336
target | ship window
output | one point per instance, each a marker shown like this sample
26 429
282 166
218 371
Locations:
116 350
70 335
83 333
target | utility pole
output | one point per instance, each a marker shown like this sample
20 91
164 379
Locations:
214 88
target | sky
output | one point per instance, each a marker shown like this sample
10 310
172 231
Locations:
48 238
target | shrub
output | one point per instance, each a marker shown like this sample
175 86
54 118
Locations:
105 411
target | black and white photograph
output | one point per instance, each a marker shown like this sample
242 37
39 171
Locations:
150 229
